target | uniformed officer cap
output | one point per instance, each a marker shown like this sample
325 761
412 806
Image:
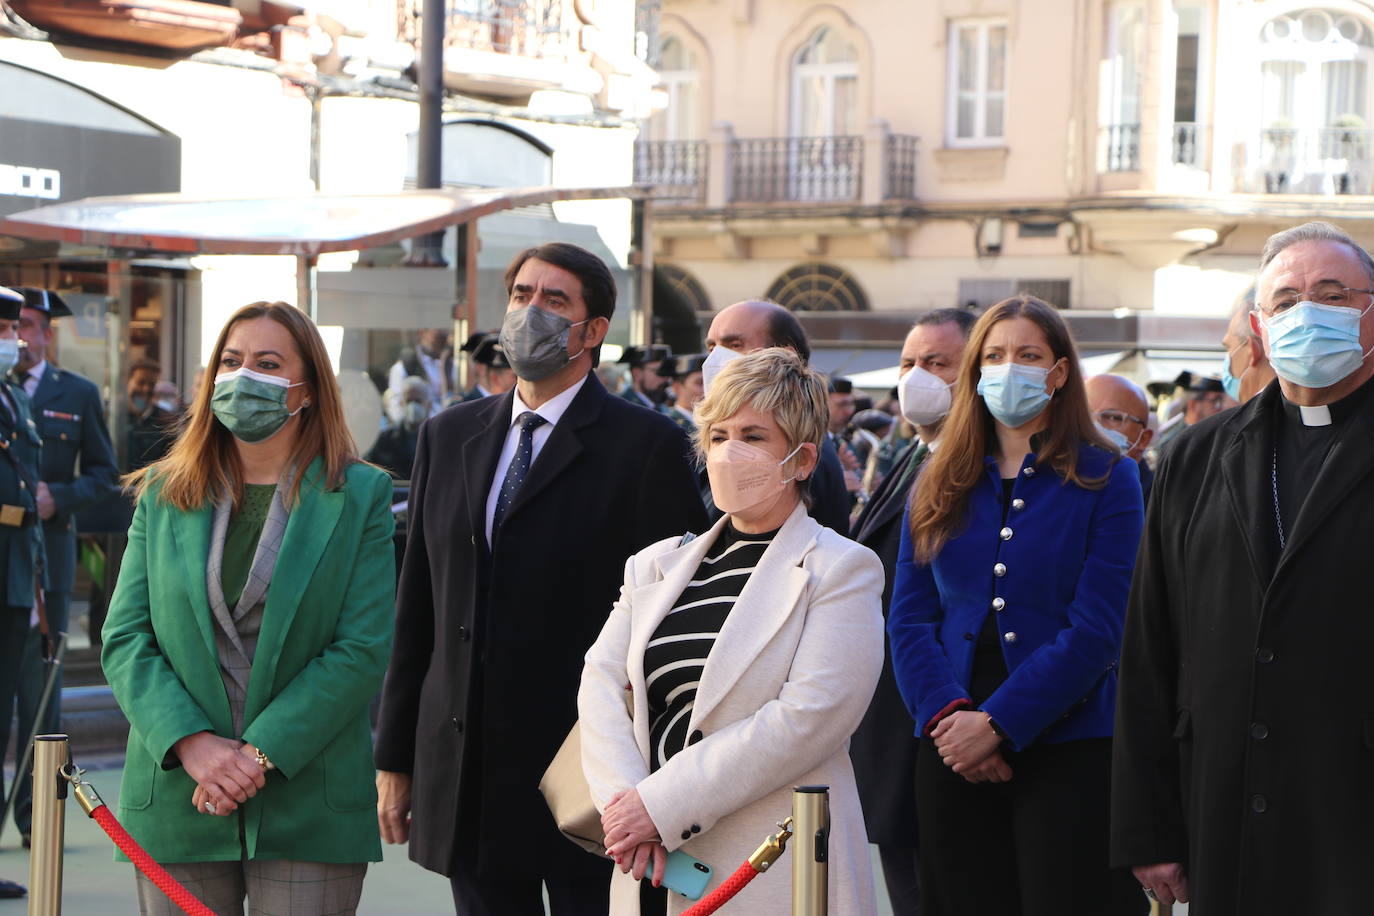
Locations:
873 420
11 302
488 352
1200 384
639 357
46 301
476 340
685 365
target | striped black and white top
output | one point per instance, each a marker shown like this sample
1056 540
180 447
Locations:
677 652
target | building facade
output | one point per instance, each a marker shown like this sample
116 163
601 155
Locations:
1124 159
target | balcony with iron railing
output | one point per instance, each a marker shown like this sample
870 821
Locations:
540 29
1324 161
779 170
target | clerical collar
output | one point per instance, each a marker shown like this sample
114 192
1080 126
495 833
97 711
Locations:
1333 414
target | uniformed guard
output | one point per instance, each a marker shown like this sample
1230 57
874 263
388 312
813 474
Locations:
491 373
71 421
651 369
21 541
687 389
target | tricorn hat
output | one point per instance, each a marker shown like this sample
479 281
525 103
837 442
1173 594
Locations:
652 355
45 301
11 301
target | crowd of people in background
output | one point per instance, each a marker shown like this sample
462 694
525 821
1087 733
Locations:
1057 642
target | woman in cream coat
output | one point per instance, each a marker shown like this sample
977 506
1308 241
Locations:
749 655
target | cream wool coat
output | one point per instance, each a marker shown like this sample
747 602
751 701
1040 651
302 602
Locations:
786 684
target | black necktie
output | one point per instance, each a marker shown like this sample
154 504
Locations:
519 466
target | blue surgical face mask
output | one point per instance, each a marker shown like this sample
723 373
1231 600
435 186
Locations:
9 354
1315 346
1014 394
1229 381
1118 438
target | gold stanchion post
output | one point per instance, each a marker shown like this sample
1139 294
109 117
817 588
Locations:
810 850
50 757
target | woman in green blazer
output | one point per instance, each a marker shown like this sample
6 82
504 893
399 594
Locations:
250 629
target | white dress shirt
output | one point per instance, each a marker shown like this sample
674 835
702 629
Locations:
552 411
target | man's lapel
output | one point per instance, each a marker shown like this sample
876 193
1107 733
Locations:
47 389
479 455
890 499
563 446
1246 467
1346 465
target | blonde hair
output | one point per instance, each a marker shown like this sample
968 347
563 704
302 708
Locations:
203 461
774 381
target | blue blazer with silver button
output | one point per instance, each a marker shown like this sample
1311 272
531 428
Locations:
1057 575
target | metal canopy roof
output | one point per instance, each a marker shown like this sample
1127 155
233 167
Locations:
303 225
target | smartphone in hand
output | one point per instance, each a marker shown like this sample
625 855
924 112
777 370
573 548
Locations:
685 875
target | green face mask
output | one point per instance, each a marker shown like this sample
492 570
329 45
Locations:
252 405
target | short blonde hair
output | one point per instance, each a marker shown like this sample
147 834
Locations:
774 381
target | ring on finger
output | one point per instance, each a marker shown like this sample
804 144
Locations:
1150 892
210 807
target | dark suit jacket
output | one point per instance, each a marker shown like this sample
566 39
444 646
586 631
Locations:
482 687
71 420
1245 727
884 747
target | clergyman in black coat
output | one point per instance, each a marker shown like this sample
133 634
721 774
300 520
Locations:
491 629
1245 730
883 748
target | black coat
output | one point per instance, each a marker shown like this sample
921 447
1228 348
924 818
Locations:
883 749
1245 724
482 687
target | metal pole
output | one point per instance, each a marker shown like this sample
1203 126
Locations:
642 262
811 850
427 250
50 755
307 292
54 668
465 307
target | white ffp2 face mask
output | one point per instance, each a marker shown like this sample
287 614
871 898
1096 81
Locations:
715 361
924 397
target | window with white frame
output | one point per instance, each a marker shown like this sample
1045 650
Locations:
1316 82
825 86
976 107
681 82
1120 76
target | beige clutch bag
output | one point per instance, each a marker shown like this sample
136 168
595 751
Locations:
565 791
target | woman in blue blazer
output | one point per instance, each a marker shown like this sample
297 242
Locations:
1006 623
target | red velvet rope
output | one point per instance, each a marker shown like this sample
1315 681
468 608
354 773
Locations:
721 895
155 872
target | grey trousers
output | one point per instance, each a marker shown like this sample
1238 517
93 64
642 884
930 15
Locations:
274 887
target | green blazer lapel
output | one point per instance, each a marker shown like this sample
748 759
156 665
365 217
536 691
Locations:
191 530
308 532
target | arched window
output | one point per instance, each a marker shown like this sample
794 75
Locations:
817 287
1315 90
825 86
1315 66
680 79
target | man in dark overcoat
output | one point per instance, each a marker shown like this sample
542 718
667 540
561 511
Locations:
1245 729
884 746
523 511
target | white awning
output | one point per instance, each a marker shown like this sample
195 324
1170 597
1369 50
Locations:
303 225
